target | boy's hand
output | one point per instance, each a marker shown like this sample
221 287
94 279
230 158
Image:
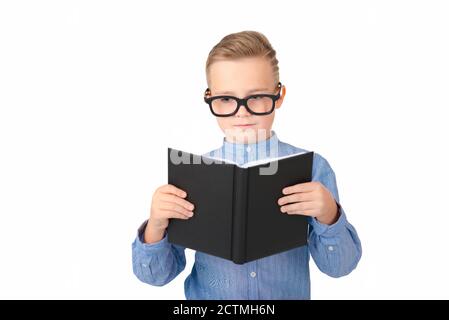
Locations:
167 202
310 199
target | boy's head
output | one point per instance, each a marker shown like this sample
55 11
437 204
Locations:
244 65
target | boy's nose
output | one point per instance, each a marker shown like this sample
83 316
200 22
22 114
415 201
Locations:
242 112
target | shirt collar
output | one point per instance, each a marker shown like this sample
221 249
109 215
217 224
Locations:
244 152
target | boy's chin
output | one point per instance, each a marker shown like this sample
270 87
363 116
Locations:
246 135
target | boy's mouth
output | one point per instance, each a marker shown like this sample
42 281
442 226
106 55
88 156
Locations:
246 125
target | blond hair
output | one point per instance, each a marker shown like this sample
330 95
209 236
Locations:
243 44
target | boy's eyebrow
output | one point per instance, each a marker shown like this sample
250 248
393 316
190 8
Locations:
249 92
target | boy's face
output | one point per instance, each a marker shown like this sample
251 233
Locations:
241 78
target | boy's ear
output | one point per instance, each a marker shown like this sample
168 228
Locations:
281 98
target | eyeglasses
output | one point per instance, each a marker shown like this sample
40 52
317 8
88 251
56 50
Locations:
257 104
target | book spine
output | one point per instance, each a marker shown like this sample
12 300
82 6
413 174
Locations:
239 215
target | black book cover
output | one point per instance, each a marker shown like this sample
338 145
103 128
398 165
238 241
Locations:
236 215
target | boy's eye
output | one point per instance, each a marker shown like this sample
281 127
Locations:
225 99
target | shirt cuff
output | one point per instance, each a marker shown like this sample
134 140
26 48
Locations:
325 230
162 244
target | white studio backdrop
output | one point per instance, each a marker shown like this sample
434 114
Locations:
93 92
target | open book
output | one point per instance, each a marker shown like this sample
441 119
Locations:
236 215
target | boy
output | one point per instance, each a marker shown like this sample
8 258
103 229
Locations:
244 65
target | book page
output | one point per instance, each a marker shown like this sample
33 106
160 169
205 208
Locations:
255 162
267 160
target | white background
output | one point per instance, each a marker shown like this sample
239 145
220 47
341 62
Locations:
93 92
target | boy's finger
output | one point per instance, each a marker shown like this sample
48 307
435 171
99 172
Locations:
297 207
176 215
169 188
300 187
310 213
172 198
296 197
170 206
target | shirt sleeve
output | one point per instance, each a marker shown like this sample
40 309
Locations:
336 249
156 263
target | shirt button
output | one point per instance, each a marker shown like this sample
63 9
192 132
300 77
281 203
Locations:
248 149
330 248
253 274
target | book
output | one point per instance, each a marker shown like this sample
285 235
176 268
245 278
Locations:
236 215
